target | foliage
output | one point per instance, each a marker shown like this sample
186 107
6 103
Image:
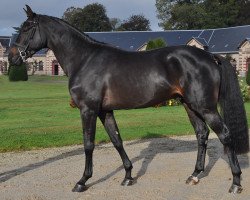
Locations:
156 43
248 76
115 23
18 73
243 17
174 102
91 18
244 91
202 14
135 23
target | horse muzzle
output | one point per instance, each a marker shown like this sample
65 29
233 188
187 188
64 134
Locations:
14 57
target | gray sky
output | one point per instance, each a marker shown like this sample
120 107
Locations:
12 14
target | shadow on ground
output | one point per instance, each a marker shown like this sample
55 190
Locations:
156 146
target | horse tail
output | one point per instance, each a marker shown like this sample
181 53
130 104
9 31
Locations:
232 106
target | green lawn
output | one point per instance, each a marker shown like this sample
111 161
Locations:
36 114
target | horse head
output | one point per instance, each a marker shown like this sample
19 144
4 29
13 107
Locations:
29 39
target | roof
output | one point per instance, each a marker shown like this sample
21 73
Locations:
247 39
201 41
228 39
222 40
5 41
133 40
13 38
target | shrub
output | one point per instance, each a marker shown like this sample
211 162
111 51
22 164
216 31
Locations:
248 76
18 73
156 43
244 90
173 102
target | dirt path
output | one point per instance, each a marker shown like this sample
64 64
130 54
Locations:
161 167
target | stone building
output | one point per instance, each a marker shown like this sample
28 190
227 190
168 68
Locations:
233 42
4 45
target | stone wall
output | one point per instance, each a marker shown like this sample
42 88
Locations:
244 56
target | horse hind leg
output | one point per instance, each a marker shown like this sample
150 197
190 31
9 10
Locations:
202 133
108 120
216 123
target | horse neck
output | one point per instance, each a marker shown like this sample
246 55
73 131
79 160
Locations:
70 46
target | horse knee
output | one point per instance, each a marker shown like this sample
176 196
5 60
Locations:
225 137
202 141
89 148
202 137
215 122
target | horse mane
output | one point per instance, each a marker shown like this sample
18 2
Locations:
81 33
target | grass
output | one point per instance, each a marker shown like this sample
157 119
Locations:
36 114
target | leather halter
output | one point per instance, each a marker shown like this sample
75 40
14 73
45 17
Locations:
23 48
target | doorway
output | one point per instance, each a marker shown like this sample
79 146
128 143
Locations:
55 68
248 64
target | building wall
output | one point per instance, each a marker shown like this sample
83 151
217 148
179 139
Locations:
244 56
47 61
34 61
50 57
235 57
143 47
1 58
194 43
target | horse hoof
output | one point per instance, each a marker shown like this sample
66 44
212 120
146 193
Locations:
79 188
192 180
127 182
236 189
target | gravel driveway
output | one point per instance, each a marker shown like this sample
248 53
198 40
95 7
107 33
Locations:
161 167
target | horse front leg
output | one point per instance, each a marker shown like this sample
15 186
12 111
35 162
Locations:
89 128
108 120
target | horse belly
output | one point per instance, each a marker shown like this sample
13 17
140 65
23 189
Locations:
129 98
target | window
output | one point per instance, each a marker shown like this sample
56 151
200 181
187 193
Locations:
40 66
1 66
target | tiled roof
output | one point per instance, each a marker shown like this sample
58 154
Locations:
228 39
5 41
202 41
223 40
133 40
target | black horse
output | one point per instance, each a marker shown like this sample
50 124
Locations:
103 78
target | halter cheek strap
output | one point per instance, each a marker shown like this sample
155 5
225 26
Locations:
23 48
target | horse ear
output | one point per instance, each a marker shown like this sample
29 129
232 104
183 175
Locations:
30 14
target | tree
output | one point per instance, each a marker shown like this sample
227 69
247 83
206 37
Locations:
73 16
186 16
115 23
200 14
91 18
135 23
165 11
243 17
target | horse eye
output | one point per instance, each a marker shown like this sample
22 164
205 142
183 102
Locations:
26 26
